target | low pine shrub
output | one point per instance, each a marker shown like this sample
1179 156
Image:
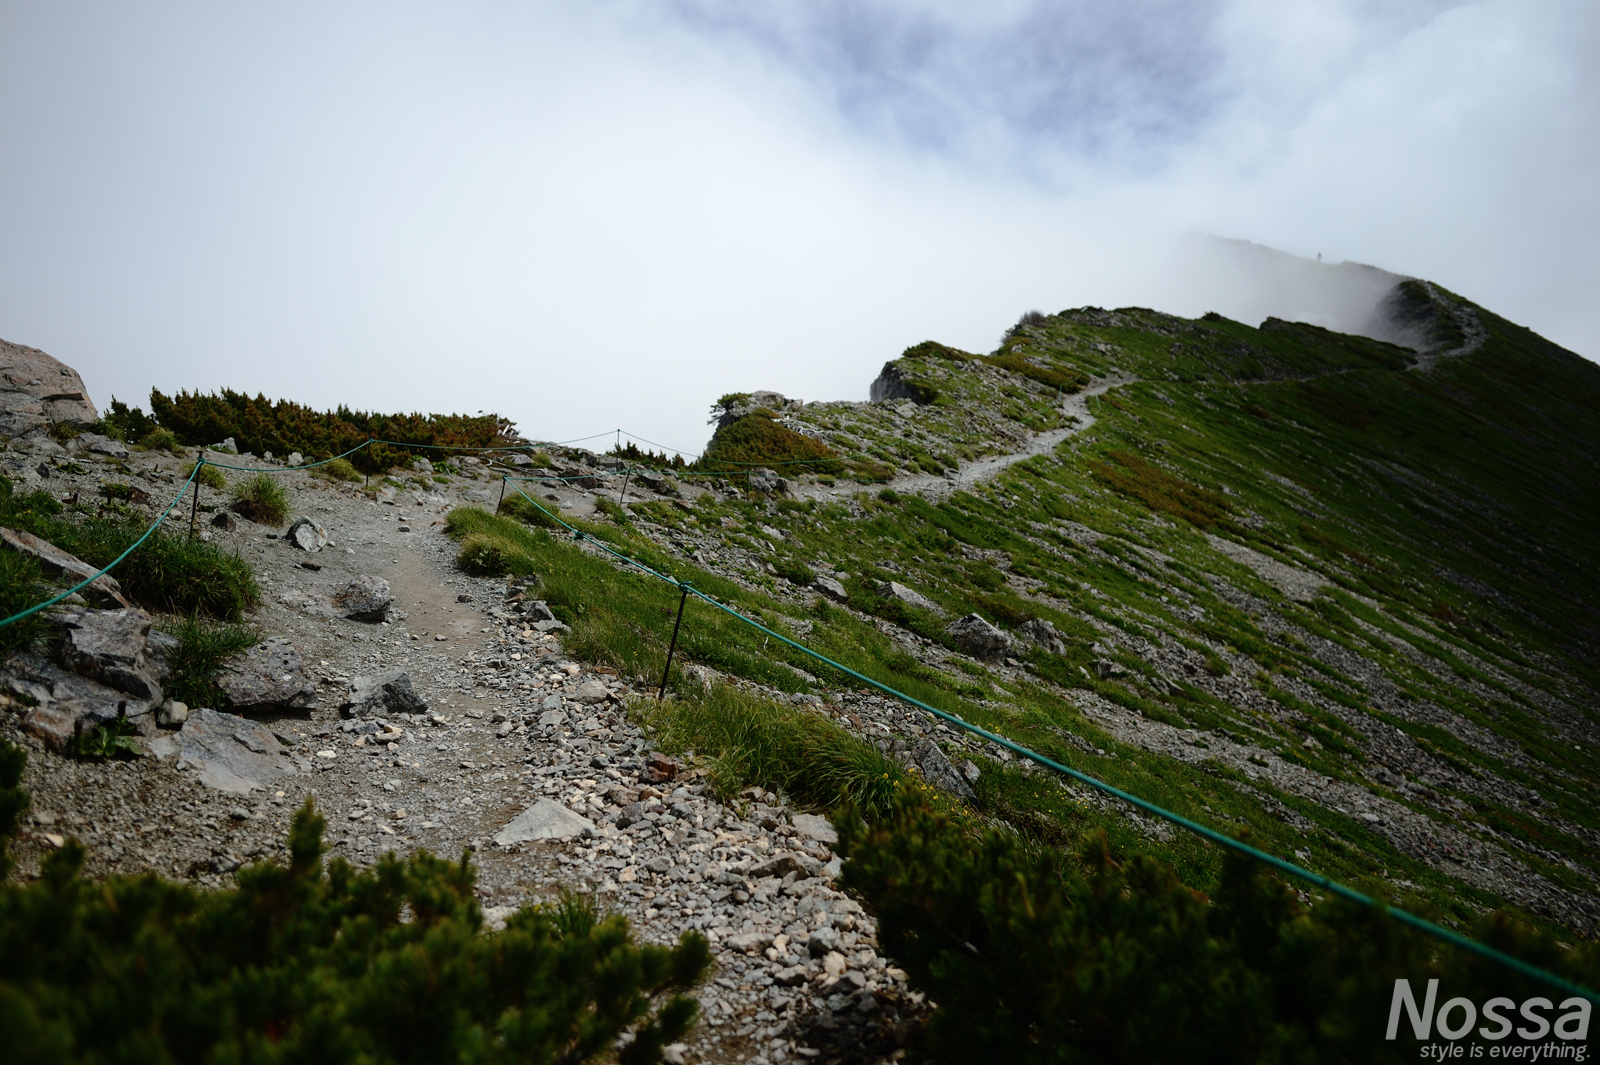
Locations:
13 800
303 962
262 500
758 439
1034 956
161 440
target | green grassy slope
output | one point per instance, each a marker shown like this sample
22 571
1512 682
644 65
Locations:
1321 586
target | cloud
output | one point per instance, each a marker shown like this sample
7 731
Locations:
591 216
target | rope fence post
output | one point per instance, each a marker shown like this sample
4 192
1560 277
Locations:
622 494
673 646
502 498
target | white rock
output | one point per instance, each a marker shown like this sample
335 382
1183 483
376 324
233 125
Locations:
544 820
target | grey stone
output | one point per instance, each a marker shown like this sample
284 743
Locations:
172 714
822 940
225 521
538 610
230 753
908 596
658 483
549 626
422 466
831 588
366 598
781 865
750 941
382 695
67 703
307 535
978 638
268 678
553 717
969 769
38 391
937 770
96 444
1045 635
385 494
52 559
1105 669
811 826
591 692
551 702
109 646
295 459
544 820
632 813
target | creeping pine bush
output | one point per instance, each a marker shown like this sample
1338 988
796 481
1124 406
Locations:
262 500
305 962
161 440
1036 957
336 470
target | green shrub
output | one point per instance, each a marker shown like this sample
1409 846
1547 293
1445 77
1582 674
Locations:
1033 957
202 649
751 740
13 800
337 470
21 586
161 440
111 740
210 477
759 438
793 570
262 500
306 963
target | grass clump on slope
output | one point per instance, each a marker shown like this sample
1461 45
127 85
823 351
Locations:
306 962
262 500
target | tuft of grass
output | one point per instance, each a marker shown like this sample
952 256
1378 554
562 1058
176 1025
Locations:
21 586
262 500
212 478
491 546
337 470
517 507
611 510
751 740
161 440
203 647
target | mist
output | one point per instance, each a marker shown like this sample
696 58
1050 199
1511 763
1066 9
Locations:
604 216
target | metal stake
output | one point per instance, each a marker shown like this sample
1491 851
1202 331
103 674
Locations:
502 498
673 646
194 507
625 475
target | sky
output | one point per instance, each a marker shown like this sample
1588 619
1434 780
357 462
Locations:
596 216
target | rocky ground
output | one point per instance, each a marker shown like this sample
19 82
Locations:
501 746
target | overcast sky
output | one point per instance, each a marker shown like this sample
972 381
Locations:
601 215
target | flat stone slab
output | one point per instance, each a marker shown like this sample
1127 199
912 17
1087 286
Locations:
544 820
231 753
104 589
269 678
810 826
908 596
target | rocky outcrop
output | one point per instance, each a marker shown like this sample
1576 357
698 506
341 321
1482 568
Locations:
271 677
978 638
908 596
1045 635
227 752
104 590
38 391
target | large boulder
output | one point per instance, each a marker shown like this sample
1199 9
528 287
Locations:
364 599
227 752
544 820
38 391
978 638
307 535
383 695
269 678
109 646
52 559
908 596
109 665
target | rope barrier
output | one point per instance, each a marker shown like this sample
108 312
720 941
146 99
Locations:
1334 887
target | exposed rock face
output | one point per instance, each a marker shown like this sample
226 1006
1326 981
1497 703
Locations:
383 694
229 753
104 589
831 588
268 678
937 770
978 638
889 386
38 391
108 646
364 599
1045 635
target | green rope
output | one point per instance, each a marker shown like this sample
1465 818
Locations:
286 469
85 583
1317 879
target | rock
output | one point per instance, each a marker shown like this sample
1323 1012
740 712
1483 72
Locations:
108 646
295 459
38 391
658 768
172 714
553 717
908 596
1105 669
104 589
364 599
544 820
1045 635
382 695
591 692
810 826
100 445
658 483
307 535
269 678
822 941
230 753
779 865
969 770
225 521
70 702
422 466
831 588
538 610
937 770
978 638
750 942
632 814
54 728
549 626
